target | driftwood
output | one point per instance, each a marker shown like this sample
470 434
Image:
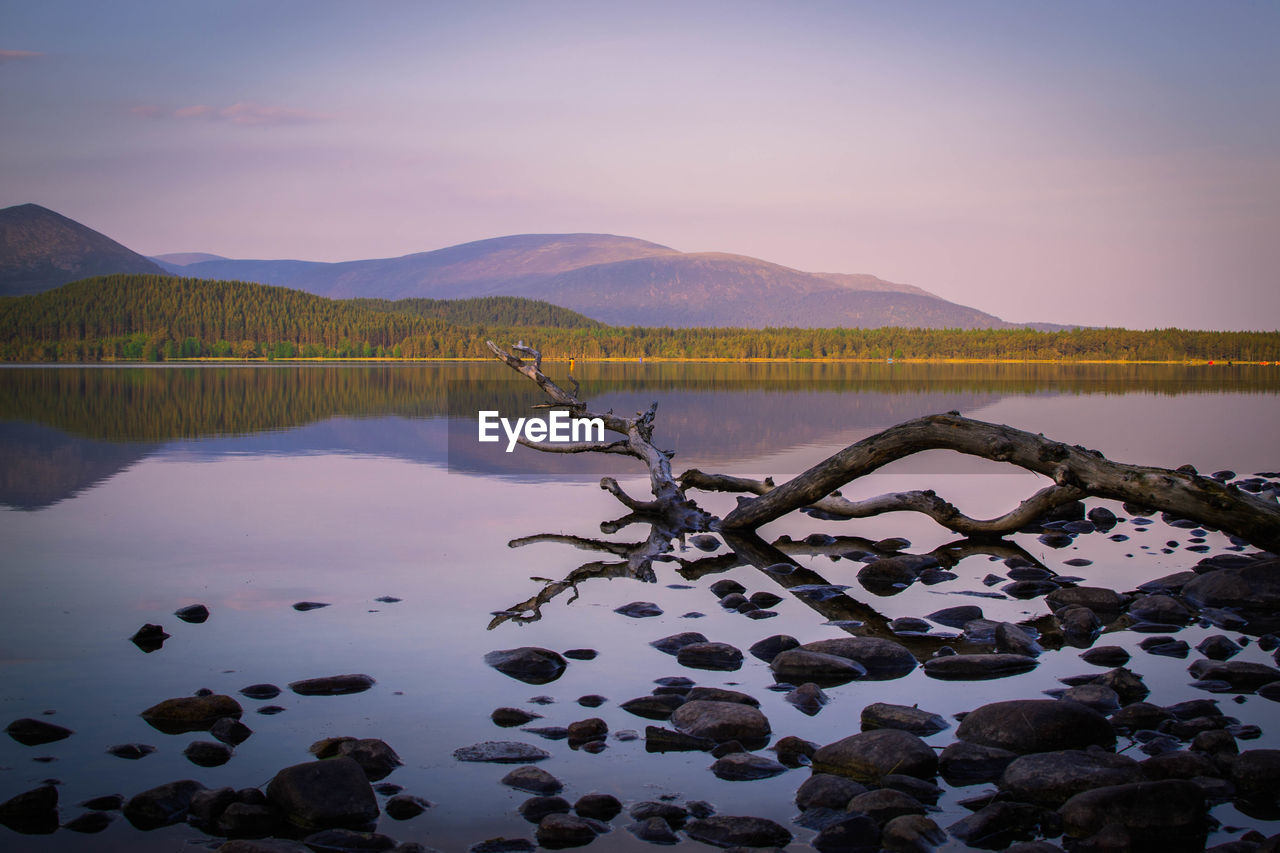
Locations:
1076 472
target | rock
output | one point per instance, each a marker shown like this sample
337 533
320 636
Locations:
1106 656
192 613
584 731
909 625
374 756
191 713
598 806
131 751
511 717
956 617
530 664
793 751
653 707
639 609
260 691
1097 599
1158 816
581 654
911 833
980 667
1127 685
964 763
887 575
827 790
263 845
852 834
230 731
1015 640
1052 778
33 812
32 732
1036 725
249 820
674 815
719 694
885 804
1099 697
711 656
501 752
734 601
721 721
730 831
108 802
405 806
1179 764
704 542
90 823
1254 587
207 753
535 809
1139 715
304 606
208 805
332 685
726 586
1165 647
746 766
348 841
548 732
162 805
870 755
923 790
322 794
1079 625
657 739
764 599
805 665
880 715
1160 609
149 637
769 648
996 825
1243 676
1218 647
655 830
1256 773
503 845
808 698
882 658
533 780
674 643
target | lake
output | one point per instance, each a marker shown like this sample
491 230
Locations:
129 492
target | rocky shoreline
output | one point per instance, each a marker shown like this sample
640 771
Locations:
1106 764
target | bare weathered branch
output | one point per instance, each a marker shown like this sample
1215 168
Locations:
1087 472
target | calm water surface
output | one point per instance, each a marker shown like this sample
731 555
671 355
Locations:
127 493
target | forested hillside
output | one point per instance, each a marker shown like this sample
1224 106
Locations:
154 318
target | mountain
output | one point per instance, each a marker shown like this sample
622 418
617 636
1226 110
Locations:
619 280
176 260
40 250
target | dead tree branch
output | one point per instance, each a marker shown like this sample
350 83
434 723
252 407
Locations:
1074 470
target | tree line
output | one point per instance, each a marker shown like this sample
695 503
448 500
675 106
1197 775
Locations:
159 318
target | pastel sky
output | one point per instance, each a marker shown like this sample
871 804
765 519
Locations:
1087 162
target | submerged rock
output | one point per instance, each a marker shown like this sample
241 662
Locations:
206 753
730 831
1157 816
881 715
770 647
530 664
1052 778
511 717
501 752
711 656
260 691
32 732
639 609
744 766
882 658
978 667
675 642
332 685
827 790
801 665
534 780
374 756
598 806
721 721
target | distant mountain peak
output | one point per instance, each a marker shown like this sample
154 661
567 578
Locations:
41 249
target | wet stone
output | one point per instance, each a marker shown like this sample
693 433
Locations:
745 766
1106 656
162 805
530 664
405 806
885 804
674 815
207 753
501 752
1052 778
710 656
871 755
978 667
675 642
1218 647
260 691
726 586
191 713
581 654
658 739
827 790
804 665
592 700
881 715
598 806
511 717
332 685
721 721
90 823
1242 676
639 610
653 707
535 809
764 599
131 751
193 613
732 831
1165 815
304 606
533 780
770 647
850 833
1100 698
1036 725
33 812
808 698
882 658
149 637
964 763
655 830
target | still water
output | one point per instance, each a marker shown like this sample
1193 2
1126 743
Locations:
128 492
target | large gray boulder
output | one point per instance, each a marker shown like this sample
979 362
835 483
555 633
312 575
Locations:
1157 816
191 713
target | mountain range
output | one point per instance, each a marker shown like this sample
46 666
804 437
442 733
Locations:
617 280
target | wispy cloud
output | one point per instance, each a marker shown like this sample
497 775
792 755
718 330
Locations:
243 113
18 55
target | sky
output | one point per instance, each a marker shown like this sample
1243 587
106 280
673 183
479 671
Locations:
1088 162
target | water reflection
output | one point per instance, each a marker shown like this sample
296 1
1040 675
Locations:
65 429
